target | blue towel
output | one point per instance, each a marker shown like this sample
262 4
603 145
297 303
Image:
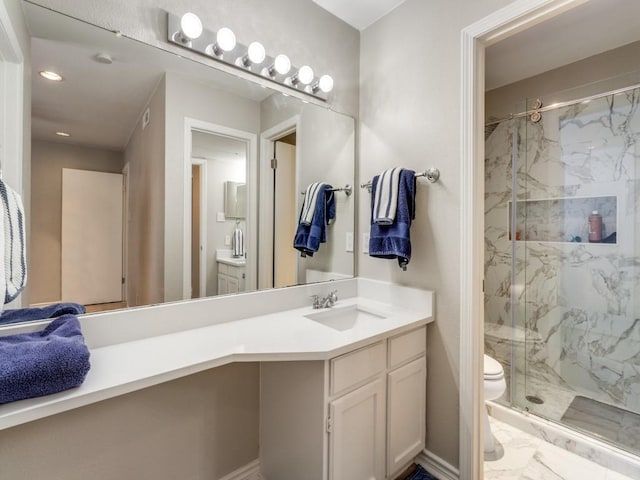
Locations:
394 241
309 237
45 362
39 313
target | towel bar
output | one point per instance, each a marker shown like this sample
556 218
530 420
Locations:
348 189
432 174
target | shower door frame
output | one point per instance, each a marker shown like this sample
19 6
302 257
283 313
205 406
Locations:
515 17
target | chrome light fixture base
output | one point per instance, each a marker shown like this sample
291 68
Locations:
205 45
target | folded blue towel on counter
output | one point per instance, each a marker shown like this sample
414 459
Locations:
309 237
45 362
39 313
394 241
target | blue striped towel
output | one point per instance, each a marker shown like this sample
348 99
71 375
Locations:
309 204
237 242
13 261
385 202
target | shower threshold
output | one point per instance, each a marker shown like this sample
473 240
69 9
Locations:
610 423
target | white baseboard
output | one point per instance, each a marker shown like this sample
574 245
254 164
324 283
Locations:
250 471
437 466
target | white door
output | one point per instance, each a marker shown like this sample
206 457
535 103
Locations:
406 424
357 437
284 217
91 236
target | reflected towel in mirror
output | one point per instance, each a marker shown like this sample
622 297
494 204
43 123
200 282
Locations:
309 236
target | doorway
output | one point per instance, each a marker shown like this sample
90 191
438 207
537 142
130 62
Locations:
284 211
217 157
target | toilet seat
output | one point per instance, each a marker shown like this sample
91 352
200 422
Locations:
492 369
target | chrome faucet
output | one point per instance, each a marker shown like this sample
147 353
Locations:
326 302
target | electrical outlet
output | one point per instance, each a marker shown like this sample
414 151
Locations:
365 243
227 240
349 242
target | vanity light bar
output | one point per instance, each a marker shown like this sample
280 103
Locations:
187 31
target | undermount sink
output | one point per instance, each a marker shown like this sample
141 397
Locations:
344 318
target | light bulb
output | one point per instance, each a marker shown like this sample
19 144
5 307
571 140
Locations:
49 75
282 64
305 74
226 39
256 53
325 83
191 25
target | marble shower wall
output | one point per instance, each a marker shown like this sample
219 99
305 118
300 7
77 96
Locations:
577 305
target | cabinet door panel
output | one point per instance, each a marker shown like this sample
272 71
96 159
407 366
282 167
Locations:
357 439
406 423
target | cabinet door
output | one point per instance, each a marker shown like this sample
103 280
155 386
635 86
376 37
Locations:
357 436
406 424
222 284
233 285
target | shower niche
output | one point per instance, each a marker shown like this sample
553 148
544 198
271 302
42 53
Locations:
566 220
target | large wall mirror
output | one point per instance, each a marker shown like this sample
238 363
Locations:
132 152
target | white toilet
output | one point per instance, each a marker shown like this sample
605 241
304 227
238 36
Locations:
494 387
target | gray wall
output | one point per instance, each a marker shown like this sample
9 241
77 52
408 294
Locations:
198 427
410 116
48 160
609 70
145 223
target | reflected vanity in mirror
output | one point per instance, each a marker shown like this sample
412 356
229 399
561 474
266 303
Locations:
146 165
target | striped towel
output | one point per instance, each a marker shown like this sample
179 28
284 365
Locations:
14 258
309 205
237 243
386 197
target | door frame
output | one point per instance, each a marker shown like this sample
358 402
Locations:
202 258
515 17
14 138
251 141
125 233
267 139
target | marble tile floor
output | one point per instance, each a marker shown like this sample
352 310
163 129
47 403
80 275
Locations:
522 456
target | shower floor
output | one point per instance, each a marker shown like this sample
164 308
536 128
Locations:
567 407
606 421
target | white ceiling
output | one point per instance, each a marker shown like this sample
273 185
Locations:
98 104
217 147
589 29
359 13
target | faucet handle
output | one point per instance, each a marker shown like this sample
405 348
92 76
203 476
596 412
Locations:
316 301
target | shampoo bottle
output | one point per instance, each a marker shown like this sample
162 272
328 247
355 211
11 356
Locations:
595 227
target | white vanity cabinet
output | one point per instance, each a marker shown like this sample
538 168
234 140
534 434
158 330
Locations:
359 416
231 278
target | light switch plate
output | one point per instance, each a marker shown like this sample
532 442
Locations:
365 243
220 217
349 242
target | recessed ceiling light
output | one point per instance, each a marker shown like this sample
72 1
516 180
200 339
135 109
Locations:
49 75
63 134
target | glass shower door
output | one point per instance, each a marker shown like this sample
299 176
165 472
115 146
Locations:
577 265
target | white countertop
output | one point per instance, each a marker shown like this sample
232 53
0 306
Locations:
234 262
282 336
